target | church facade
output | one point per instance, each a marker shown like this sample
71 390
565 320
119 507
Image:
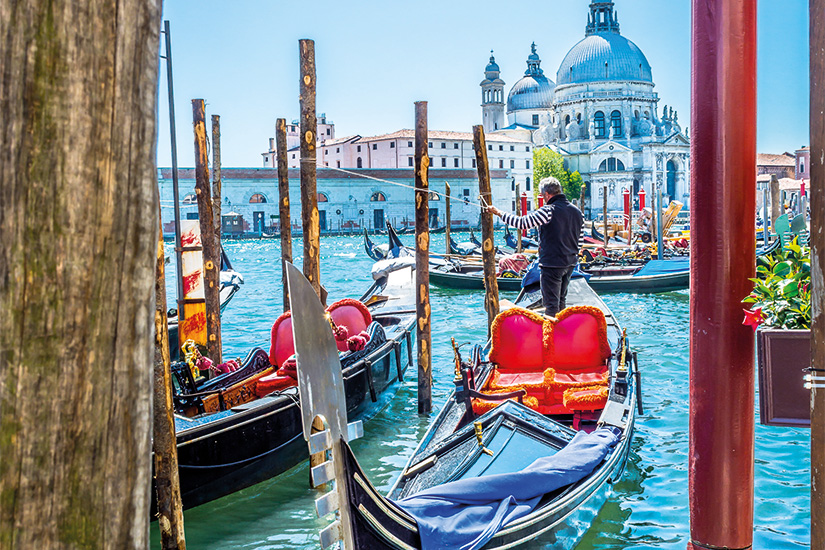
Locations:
601 113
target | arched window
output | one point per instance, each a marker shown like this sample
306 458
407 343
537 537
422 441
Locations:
358 163
433 196
567 120
257 198
378 197
601 130
611 165
671 179
322 197
616 123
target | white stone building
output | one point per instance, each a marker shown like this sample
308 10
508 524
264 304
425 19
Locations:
601 114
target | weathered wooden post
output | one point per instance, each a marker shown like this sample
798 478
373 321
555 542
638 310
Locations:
777 208
422 260
167 481
766 234
211 254
309 190
660 223
723 154
488 249
217 184
817 193
518 213
604 215
449 216
283 203
79 126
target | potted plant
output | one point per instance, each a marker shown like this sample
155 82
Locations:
780 312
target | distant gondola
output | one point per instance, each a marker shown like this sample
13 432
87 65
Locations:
512 242
244 427
492 472
651 277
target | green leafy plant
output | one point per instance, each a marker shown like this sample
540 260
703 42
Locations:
547 162
781 296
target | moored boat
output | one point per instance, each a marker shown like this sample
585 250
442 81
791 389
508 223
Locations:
525 450
650 277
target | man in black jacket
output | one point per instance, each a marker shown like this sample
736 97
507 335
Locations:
560 224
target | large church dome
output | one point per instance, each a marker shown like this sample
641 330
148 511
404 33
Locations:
604 54
534 90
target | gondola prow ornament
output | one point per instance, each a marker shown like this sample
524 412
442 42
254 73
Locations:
324 399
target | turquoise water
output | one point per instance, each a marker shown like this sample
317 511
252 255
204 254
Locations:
649 507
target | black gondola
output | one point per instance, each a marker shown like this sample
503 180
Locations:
512 242
229 438
465 444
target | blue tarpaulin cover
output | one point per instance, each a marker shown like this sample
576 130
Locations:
664 267
533 275
467 513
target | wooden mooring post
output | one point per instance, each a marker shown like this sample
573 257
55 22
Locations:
488 249
660 223
720 462
217 185
817 194
309 190
777 208
604 215
211 253
448 216
283 203
164 441
422 261
519 212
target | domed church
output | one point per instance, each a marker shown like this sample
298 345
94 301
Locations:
601 114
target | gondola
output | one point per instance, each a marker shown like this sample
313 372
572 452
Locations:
511 241
376 252
465 248
506 462
244 427
442 229
470 276
651 277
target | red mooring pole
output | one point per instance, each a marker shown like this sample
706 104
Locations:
523 200
723 172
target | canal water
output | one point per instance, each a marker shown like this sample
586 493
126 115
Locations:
649 506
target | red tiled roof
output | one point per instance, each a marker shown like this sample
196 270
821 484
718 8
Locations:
770 159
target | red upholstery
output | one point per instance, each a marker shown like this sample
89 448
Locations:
351 314
579 339
273 382
281 345
517 341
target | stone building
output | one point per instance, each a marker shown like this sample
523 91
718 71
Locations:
782 165
347 202
601 114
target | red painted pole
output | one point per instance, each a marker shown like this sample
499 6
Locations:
523 210
723 155
628 211
541 201
641 199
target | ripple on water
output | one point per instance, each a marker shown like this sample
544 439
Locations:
649 505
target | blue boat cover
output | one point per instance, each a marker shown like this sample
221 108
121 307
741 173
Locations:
664 267
467 513
533 275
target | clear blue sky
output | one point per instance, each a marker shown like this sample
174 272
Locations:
375 59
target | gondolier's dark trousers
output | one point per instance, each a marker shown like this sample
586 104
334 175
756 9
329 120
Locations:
554 281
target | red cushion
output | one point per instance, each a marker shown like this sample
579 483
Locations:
578 340
274 381
351 314
281 347
517 341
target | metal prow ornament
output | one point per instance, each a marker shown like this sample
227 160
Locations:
321 389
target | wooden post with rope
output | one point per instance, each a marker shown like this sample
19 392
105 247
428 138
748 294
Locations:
518 213
283 203
211 254
216 182
164 442
422 260
449 216
777 208
309 193
604 215
488 249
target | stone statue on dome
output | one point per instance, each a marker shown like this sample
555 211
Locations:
573 130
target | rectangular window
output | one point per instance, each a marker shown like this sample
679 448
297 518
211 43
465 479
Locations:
514 206
337 149
466 192
528 184
326 164
535 120
512 147
409 144
392 145
501 164
489 147
513 184
326 151
293 155
529 205
443 145
328 131
512 164
474 163
527 162
455 162
374 146
443 162
338 164
430 145
359 148
410 161
501 147
527 148
455 145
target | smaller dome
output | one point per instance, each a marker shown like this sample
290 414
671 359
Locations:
534 90
492 66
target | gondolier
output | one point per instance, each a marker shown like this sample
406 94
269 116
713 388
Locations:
559 224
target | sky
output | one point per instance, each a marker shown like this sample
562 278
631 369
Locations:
375 59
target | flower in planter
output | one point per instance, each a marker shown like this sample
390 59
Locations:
781 296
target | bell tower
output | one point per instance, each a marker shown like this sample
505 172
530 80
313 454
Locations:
492 97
